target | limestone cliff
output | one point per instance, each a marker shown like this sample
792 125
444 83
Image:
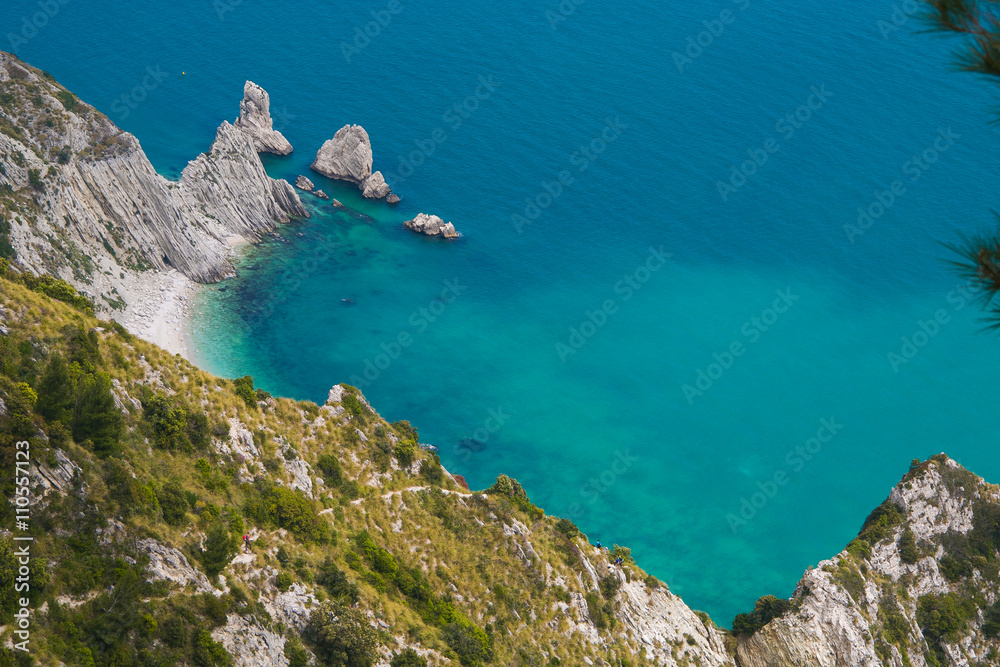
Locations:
255 120
348 157
83 202
919 586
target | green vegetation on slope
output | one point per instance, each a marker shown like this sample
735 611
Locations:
160 450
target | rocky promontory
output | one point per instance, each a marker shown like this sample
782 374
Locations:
348 157
255 120
87 206
431 225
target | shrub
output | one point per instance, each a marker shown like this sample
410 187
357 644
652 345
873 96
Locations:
35 180
408 658
766 609
431 470
295 652
244 389
56 392
469 643
651 581
68 99
173 503
342 636
567 528
208 652
336 583
329 466
609 586
908 551
878 524
597 611
282 555
354 407
220 547
95 416
944 616
406 430
283 581
406 450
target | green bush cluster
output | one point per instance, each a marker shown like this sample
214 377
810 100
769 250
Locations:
285 508
508 487
56 288
341 636
766 609
172 425
944 616
244 389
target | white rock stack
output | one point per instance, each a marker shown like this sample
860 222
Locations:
255 120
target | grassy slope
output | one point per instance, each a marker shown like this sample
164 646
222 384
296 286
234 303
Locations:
457 542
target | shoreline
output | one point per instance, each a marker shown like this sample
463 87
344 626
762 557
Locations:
160 312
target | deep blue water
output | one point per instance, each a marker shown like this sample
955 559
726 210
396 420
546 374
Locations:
606 433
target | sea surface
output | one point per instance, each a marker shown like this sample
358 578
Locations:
725 379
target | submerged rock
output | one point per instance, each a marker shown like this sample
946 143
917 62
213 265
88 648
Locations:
348 157
431 225
392 199
303 183
255 120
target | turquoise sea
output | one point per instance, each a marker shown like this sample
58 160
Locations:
556 346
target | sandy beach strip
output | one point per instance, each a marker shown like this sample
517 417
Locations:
160 310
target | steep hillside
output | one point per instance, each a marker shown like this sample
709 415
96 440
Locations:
147 471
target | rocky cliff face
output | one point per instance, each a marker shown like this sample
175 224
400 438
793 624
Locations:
348 157
84 203
255 120
919 586
431 225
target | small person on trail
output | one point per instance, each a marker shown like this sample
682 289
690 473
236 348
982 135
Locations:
246 543
598 545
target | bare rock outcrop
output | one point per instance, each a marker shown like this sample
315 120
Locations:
250 644
255 120
104 215
170 564
348 157
431 225
861 606
303 183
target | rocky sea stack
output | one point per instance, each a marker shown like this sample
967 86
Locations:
255 120
431 225
348 157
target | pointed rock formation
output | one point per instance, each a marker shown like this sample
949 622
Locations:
255 120
104 202
431 225
348 157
